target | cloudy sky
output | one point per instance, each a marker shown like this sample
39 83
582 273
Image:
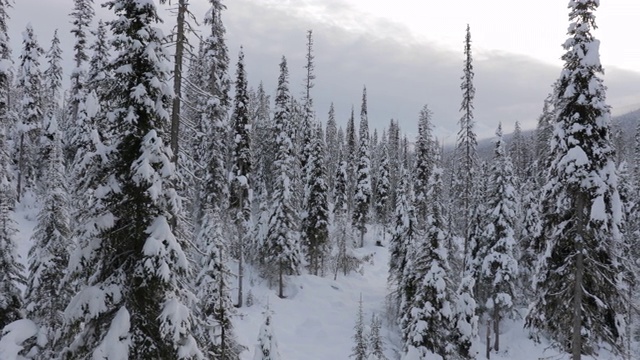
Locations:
407 52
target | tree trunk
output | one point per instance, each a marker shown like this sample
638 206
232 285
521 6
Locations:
20 168
496 326
576 340
488 339
281 281
177 80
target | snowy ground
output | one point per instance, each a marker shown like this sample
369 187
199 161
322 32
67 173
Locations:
316 319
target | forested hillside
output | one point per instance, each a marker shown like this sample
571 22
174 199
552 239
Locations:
157 205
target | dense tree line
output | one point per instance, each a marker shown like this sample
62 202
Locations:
149 191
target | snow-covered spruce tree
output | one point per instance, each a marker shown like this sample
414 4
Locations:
47 294
82 16
31 112
424 162
315 225
359 350
543 134
267 348
333 149
383 190
96 74
402 281
212 109
342 234
351 156
466 153
362 190
499 267
529 233
53 78
578 298
215 331
519 153
283 248
6 73
52 81
375 343
428 322
240 199
630 254
133 303
262 143
11 270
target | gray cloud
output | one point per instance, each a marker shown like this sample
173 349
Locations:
401 72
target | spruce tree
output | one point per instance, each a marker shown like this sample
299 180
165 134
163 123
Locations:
283 249
315 226
240 199
375 343
133 304
359 350
52 77
82 16
333 148
428 321
11 270
215 331
466 150
424 162
362 191
6 72
499 268
31 112
577 282
383 190
342 233
351 155
47 293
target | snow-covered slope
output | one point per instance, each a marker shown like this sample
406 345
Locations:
316 320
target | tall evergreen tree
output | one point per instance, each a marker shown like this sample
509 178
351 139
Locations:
53 78
82 16
240 200
577 281
213 290
333 148
428 323
424 162
212 104
466 149
133 304
6 73
316 223
499 265
47 292
362 191
383 190
342 234
359 350
375 343
31 112
350 156
283 248
11 270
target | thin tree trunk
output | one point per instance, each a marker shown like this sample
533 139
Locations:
496 326
488 340
240 231
177 80
281 280
20 167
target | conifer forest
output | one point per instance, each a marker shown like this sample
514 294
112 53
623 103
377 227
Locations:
155 204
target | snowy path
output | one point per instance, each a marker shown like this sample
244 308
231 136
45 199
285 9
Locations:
316 321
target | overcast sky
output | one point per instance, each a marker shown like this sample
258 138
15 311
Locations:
407 52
